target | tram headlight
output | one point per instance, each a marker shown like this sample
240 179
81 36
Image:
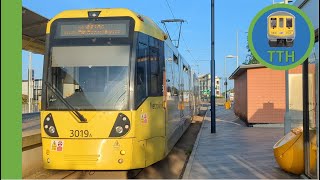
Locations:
49 127
52 130
119 129
121 126
93 14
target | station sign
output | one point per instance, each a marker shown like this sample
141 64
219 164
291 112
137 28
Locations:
281 36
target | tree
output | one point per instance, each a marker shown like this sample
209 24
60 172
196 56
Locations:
250 59
24 99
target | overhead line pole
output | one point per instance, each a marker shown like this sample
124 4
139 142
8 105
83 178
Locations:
213 98
237 49
30 82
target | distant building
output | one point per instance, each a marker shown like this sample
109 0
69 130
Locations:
37 88
205 85
25 87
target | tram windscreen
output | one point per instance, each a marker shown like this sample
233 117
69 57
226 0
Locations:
281 22
90 77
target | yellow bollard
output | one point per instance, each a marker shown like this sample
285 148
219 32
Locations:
288 152
227 105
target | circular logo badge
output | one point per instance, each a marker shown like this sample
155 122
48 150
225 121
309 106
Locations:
281 36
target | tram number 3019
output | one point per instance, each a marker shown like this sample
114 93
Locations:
80 133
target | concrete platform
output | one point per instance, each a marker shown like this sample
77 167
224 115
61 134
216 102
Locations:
235 151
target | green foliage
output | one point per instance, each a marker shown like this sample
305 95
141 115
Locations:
250 59
206 92
24 99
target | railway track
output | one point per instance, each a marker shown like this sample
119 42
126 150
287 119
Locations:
30 116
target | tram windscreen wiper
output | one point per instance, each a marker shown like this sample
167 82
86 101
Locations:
69 106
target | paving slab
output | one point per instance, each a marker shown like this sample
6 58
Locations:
234 151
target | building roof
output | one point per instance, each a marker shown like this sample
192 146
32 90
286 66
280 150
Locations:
33 31
242 68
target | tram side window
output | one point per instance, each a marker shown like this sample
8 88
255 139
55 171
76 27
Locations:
155 83
169 71
175 59
176 76
186 84
273 22
289 22
141 73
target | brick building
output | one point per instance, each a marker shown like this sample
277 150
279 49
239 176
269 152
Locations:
259 94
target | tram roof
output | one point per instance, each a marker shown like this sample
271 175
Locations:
34 26
33 31
142 23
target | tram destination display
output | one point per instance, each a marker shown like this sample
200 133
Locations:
92 29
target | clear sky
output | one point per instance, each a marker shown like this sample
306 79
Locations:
230 16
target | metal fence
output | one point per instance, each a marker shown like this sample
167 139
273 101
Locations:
34 108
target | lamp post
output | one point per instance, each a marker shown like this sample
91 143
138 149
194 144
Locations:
213 74
237 46
237 49
225 73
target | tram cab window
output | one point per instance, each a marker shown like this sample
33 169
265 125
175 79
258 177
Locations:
289 22
115 73
148 75
141 73
273 22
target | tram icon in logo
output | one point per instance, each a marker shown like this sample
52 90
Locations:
281 36
281 29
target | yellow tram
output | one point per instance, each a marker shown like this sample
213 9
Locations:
117 94
281 29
